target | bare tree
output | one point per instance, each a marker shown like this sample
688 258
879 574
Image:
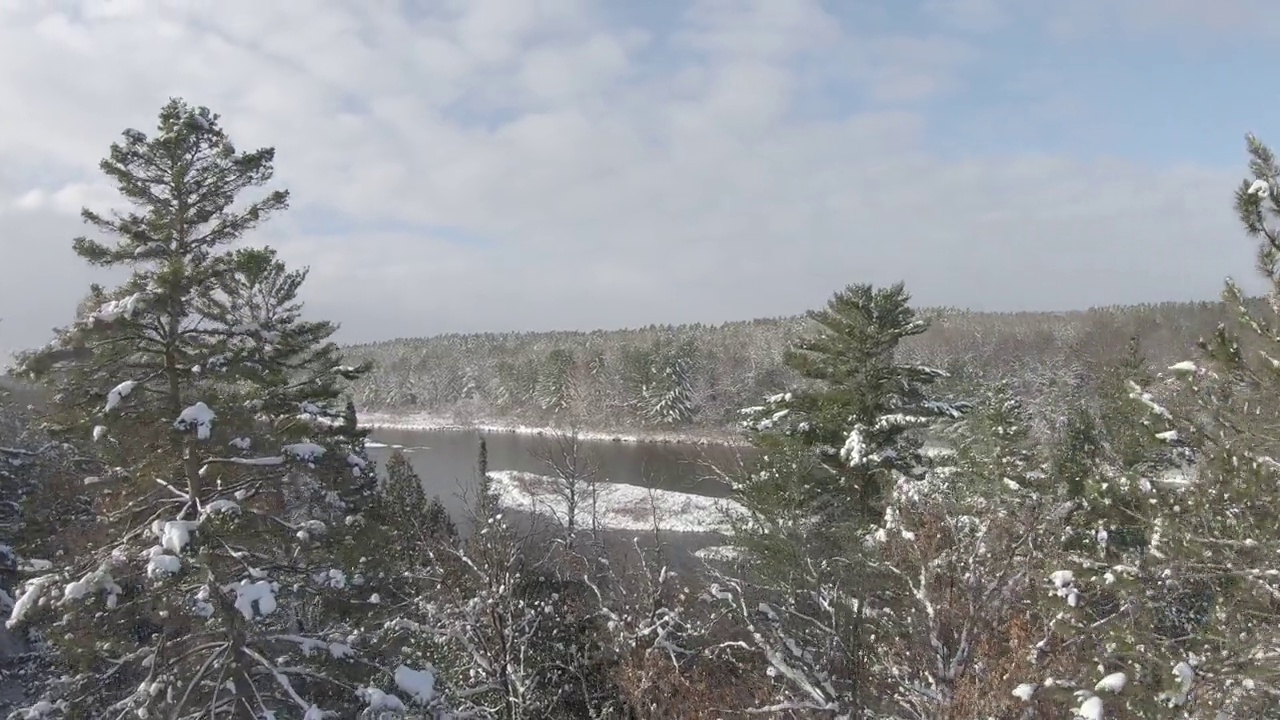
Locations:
576 482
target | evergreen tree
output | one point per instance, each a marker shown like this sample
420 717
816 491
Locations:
669 397
1182 625
858 408
402 504
831 451
555 382
995 444
1077 451
202 590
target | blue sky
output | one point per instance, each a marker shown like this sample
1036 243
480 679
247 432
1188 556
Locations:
535 164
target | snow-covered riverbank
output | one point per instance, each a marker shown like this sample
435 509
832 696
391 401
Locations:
618 506
422 421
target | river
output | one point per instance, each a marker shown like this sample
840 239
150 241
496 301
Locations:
446 460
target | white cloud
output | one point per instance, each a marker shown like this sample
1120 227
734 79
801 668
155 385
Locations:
737 159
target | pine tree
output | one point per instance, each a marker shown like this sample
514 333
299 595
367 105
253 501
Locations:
831 451
995 447
403 505
227 454
555 381
669 397
858 407
1077 450
1183 624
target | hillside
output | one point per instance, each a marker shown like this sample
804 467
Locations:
697 377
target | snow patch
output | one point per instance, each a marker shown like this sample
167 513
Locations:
174 535
197 416
419 685
618 506
1112 683
306 452
161 564
119 393
258 595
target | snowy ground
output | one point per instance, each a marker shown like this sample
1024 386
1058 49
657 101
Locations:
393 446
420 421
618 506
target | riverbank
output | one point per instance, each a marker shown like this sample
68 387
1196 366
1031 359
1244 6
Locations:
617 506
427 422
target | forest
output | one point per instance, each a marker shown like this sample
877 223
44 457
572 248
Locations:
191 525
696 378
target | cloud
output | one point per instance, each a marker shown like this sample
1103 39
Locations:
532 164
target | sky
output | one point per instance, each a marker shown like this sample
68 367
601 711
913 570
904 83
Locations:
494 165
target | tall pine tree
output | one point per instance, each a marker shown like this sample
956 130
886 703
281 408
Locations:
229 466
858 407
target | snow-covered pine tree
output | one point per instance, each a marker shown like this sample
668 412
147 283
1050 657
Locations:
832 451
407 542
555 381
202 590
858 407
957 554
994 446
636 370
403 506
669 397
1183 624
1076 451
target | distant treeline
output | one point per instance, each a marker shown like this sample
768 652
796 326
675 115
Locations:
698 377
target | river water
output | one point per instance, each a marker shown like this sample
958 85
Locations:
446 460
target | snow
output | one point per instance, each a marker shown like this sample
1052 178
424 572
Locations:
99 579
722 553
419 685
197 416
99 432
261 593
219 506
309 408
379 700
241 443
1112 683
1186 366
1090 708
1064 584
1025 691
1261 188
160 564
33 592
268 460
854 452
113 310
619 506
307 452
174 535
335 579
119 393
357 464
1186 676
41 710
